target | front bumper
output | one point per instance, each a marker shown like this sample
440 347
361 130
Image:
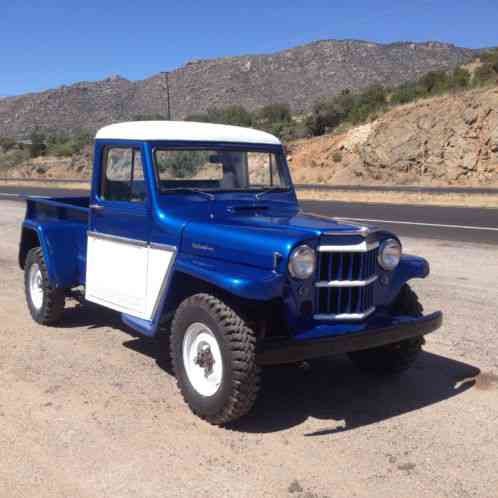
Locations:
292 350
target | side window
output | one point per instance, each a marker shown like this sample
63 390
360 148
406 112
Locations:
123 175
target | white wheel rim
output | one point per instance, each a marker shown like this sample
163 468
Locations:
202 359
36 286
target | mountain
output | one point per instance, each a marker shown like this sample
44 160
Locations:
297 76
446 140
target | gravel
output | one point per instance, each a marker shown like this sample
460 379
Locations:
89 409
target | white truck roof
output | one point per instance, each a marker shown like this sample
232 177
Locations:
185 131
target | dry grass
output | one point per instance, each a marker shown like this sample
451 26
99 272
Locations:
84 184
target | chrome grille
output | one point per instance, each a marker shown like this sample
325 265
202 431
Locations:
346 277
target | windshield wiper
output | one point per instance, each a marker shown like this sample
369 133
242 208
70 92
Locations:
189 190
270 190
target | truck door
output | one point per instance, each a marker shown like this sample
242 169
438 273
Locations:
118 235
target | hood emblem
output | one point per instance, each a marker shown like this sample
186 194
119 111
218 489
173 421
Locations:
202 247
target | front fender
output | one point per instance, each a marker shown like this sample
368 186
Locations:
409 267
247 282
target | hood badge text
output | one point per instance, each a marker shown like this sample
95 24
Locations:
202 247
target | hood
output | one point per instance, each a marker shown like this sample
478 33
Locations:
253 236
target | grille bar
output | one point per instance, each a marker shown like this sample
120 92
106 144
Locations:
345 316
345 282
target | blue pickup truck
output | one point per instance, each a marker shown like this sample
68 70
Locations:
193 230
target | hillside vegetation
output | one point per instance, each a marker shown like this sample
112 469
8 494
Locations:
441 129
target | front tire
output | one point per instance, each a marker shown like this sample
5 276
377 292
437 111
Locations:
45 302
397 357
213 353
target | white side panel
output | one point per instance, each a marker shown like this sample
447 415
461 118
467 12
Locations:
116 275
127 277
160 262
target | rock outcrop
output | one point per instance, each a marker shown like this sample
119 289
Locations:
449 140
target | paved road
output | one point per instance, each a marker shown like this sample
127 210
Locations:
433 222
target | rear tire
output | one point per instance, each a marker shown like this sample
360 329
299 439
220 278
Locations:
45 302
397 357
213 354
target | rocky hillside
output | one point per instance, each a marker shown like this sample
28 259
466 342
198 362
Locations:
297 76
449 140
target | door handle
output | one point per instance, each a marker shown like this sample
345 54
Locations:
97 207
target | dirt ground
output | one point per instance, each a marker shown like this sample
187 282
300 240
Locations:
90 410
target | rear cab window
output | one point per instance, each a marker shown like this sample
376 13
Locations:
123 175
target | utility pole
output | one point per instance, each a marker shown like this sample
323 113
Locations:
166 88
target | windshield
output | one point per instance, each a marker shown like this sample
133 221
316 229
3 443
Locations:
219 170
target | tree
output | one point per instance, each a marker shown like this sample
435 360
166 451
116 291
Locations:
149 117
275 113
373 96
233 115
181 163
407 92
434 82
484 74
7 143
37 146
460 78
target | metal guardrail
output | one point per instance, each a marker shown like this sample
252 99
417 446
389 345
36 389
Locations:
325 188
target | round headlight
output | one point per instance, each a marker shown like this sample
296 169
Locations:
389 254
302 262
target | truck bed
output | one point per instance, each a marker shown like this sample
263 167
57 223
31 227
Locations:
59 226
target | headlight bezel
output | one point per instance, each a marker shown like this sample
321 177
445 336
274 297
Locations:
391 248
302 251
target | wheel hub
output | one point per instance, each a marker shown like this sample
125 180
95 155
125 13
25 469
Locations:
205 358
202 359
36 286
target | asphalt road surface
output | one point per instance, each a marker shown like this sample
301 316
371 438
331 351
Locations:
442 223
88 409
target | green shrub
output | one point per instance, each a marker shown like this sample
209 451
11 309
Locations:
13 158
149 117
37 147
407 92
435 82
460 78
274 113
337 157
484 74
490 57
182 163
199 117
63 149
7 143
232 115
326 115
62 145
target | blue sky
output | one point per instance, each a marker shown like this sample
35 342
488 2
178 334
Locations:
47 43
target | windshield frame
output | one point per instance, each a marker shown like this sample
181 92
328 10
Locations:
277 150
